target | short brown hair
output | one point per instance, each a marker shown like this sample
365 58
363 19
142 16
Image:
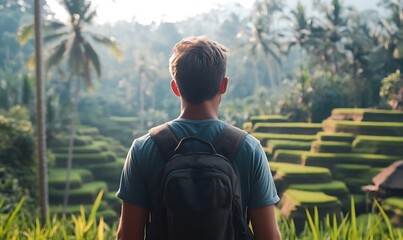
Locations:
198 66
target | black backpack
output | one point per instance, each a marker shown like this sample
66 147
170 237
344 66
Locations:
199 196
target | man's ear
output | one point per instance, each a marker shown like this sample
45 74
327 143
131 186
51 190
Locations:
223 87
175 88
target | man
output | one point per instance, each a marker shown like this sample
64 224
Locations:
198 68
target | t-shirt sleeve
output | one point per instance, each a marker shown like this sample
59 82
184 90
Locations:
262 191
132 188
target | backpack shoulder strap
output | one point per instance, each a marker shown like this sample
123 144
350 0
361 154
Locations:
165 139
228 141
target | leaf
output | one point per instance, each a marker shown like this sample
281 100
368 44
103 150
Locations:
312 225
56 55
100 232
54 25
51 37
109 43
93 58
25 33
353 219
13 214
387 220
95 207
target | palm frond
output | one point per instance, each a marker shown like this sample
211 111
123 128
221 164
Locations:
92 56
55 36
109 43
90 16
54 25
25 33
56 55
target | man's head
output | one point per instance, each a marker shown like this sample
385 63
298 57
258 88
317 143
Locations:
198 66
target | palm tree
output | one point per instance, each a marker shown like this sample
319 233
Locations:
359 44
330 34
147 73
75 47
41 125
260 37
300 38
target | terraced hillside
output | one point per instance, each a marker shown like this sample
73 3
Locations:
325 164
97 164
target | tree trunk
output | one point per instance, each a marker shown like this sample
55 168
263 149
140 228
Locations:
40 114
73 125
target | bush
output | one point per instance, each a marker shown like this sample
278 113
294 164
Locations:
17 160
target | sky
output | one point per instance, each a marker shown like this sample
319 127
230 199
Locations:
147 11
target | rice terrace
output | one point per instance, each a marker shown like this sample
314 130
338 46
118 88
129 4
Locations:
317 83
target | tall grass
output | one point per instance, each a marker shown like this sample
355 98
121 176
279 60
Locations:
15 226
374 226
377 225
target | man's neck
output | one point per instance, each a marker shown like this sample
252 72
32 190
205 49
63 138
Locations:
205 110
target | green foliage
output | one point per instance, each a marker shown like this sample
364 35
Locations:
17 165
274 145
80 226
331 147
335 137
90 225
392 90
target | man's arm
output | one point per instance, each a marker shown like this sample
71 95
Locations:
133 220
264 223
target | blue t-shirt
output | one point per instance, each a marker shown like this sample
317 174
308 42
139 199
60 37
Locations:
142 169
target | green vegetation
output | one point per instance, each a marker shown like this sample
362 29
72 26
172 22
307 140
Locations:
333 188
274 145
330 147
268 119
264 137
304 198
379 145
89 223
86 159
330 159
289 156
288 128
364 128
57 178
367 115
335 137
83 195
293 173
394 205
343 171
